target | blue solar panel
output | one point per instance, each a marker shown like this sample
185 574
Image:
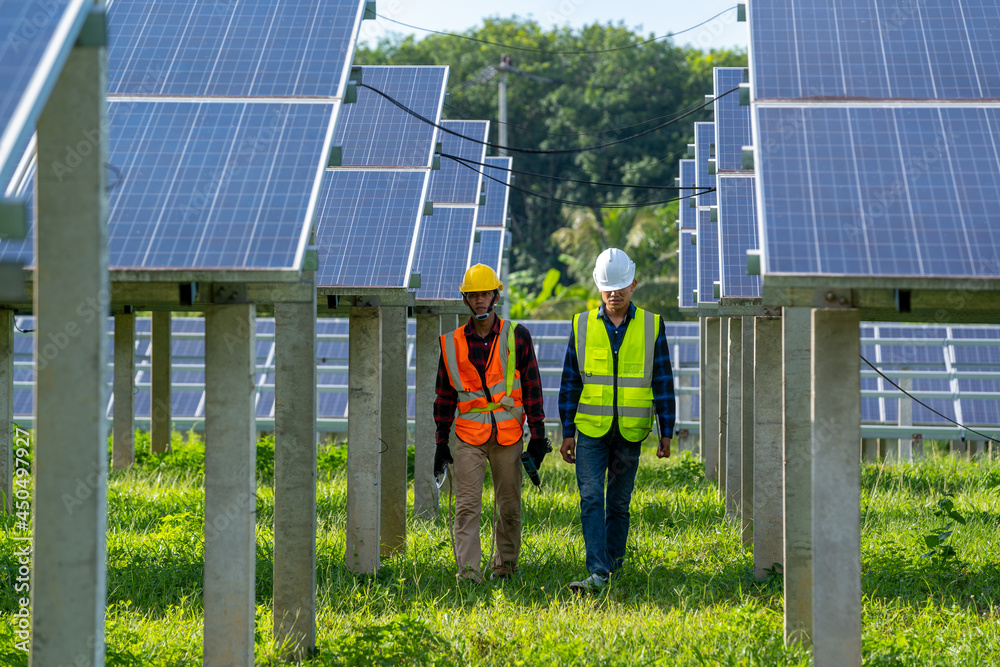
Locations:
488 249
687 259
900 191
732 121
687 211
443 249
494 212
365 226
374 132
932 49
455 183
258 48
210 185
708 256
704 142
738 229
38 36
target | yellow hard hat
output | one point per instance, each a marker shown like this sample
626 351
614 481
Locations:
480 278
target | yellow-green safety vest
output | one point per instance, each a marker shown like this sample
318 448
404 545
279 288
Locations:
595 410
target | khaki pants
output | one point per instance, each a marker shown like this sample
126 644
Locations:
470 473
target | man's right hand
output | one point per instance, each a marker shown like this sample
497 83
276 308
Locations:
442 457
568 450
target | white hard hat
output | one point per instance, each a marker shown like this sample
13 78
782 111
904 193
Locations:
614 270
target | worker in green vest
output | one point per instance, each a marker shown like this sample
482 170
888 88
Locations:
616 387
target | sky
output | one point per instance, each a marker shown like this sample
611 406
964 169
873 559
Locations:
653 16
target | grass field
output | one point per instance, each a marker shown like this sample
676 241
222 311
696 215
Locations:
686 597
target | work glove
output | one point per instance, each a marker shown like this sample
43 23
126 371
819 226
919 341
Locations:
442 457
537 449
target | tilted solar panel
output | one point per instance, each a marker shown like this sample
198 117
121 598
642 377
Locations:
488 249
732 121
704 142
687 270
494 212
708 256
687 210
443 249
738 230
455 183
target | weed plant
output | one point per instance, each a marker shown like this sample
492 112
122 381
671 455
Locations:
687 595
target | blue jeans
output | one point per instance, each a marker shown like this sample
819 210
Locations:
605 519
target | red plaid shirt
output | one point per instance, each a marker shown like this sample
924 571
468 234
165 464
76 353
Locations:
446 401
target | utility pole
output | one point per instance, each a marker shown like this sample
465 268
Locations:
505 64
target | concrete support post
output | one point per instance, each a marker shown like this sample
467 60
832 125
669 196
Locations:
768 522
6 410
905 419
393 513
425 492
71 293
159 398
870 450
294 586
734 422
746 420
723 402
709 382
978 449
123 431
836 429
230 484
796 360
364 441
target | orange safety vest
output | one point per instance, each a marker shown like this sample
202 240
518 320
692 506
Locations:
473 423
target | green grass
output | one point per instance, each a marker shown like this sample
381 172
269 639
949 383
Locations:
686 597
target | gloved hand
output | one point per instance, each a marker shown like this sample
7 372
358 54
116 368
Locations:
442 457
537 449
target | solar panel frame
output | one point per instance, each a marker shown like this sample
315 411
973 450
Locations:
455 183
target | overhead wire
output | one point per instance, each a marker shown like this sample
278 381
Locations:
512 47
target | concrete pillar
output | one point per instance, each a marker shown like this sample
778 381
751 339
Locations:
230 484
364 446
747 455
836 429
796 360
870 451
723 402
425 493
69 582
123 432
768 495
159 397
294 587
734 422
978 449
905 418
917 446
393 513
709 382
6 410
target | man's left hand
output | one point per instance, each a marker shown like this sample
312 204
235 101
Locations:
663 451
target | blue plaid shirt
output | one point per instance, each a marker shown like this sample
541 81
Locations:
663 377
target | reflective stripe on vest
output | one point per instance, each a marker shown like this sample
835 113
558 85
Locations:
595 357
473 423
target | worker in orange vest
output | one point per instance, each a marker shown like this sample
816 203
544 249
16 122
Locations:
487 386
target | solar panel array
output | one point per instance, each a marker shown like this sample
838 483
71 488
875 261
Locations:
456 183
372 205
708 256
491 223
687 268
704 146
443 251
687 216
732 120
877 132
737 234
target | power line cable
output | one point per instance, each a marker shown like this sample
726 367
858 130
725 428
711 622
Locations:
511 47
469 164
568 180
886 378
543 151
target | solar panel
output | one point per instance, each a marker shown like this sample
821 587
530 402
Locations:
708 256
932 49
39 35
687 270
732 121
210 185
443 249
738 230
375 132
494 212
488 249
686 208
455 183
259 48
888 190
704 146
365 226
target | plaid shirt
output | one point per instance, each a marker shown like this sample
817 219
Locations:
663 378
446 401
